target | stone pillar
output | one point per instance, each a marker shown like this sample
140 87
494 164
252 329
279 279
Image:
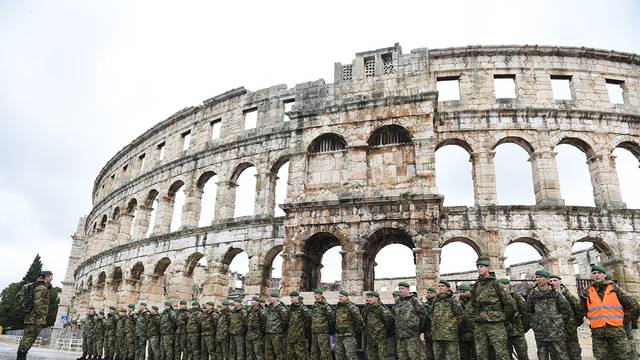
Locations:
624 268
142 222
181 286
217 284
131 291
152 289
297 175
546 183
163 215
68 282
427 268
495 252
265 194
293 277
191 208
604 178
225 199
484 178
110 234
353 271
98 242
356 160
253 279
124 234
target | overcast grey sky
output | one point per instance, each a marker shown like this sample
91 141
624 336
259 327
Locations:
81 79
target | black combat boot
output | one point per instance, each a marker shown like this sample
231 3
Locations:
22 355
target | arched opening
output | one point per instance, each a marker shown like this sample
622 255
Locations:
389 135
208 184
90 283
326 160
103 223
391 158
454 177
196 272
134 282
102 279
160 288
458 256
627 161
272 270
282 182
523 257
322 264
327 143
236 262
514 181
177 193
116 213
393 263
132 209
116 279
573 172
245 191
152 203
137 270
385 249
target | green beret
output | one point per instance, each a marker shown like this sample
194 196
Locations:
143 304
432 289
300 298
261 300
225 302
608 277
445 283
504 281
254 298
344 293
238 300
373 294
294 293
554 276
211 303
112 308
396 293
154 308
131 306
404 284
483 261
275 294
45 273
596 267
464 287
168 302
195 303
319 291
183 302
543 273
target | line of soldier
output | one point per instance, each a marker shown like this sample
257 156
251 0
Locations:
488 320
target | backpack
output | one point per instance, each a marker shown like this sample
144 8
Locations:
389 321
26 298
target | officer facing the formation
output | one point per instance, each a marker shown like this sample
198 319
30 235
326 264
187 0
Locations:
378 327
606 305
410 316
99 336
493 306
322 324
129 333
222 332
110 333
193 331
299 318
237 330
348 325
447 317
467 345
276 326
36 311
180 347
256 323
142 319
120 352
572 344
428 338
88 333
548 311
153 334
518 325
208 331
168 323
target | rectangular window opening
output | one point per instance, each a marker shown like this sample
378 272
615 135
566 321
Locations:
250 118
125 167
141 159
448 88
161 150
288 106
615 91
370 67
186 140
216 126
505 86
387 64
347 72
561 87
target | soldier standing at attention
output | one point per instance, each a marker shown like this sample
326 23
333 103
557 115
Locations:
168 323
378 323
153 334
467 345
180 344
348 326
142 320
574 352
36 317
88 333
299 317
193 331
277 321
110 333
99 336
222 332
208 331
129 333
447 316
493 306
237 330
548 311
428 338
322 322
396 296
120 352
410 314
518 325
256 323
606 305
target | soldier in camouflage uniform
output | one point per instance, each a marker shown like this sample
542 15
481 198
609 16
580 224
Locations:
153 334
609 338
36 318
256 324
208 331
447 317
194 324
322 322
378 323
142 320
518 325
222 332
432 292
492 306
129 333
110 333
88 333
548 311
299 320
467 345
574 352
120 352
396 296
276 325
180 345
168 323
237 330
348 326
99 336
409 314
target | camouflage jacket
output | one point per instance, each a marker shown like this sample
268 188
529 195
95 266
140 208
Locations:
130 324
40 309
377 318
238 322
182 316
194 321
548 311
110 325
222 327
89 325
409 313
277 318
299 321
142 320
120 326
154 325
256 323
322 317
467 330
629 304
168 322
348 319
519 322
576 319
491 302
446 317
209 321
428 306
98 330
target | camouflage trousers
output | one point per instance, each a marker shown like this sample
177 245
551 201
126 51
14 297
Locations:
141 347
98 346
320 347
446 350
611 343
120 350
519 345
274 347
236 347
255 349
154 348
428 346
166 346
489 335
193 346
222 348
467 350
180 347
553 350
30 335
574 351
207 347
109 345
296 349
408 348
376 349
130 343
87 345
346 347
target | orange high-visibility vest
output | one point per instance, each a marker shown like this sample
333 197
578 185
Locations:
607 311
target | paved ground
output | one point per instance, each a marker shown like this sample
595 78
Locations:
8 352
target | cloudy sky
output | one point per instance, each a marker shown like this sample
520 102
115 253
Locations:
79 80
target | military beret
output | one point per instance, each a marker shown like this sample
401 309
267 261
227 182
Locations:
608 277
432 289
504 281
464 287
294 293
154 307
122 310
344 293
131 306
319 291
238 299
554 276
483 261
195 303
143 304
261 299
445 283
254 298
225 302
275 294
101 312
404 284
45 273
211 303
300 298
168 302
112 308
396 293
543 273
373 294
183 302
596 267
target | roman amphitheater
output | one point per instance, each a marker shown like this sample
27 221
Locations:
361 174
